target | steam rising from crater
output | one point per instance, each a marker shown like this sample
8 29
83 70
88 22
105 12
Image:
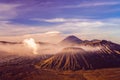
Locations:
30 43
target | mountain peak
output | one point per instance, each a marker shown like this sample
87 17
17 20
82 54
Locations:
72 37
71 40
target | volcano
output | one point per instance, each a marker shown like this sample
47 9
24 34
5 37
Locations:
77 58
69 58
70 40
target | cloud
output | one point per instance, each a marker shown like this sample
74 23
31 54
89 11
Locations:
69 25
44 11
73 23
52 33
58 20
50 20
13 29
83 24
8 11
91 4
101 29
49 37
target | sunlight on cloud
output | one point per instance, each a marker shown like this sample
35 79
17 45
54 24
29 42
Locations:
52 33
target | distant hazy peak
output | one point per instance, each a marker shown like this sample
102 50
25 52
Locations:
71 40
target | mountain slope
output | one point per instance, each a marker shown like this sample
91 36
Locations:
76 58
68 59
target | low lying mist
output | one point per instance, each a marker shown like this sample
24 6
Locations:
91 48
29 48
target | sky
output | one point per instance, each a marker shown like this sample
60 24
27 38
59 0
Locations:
46 20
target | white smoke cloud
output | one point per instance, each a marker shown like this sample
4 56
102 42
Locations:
30 43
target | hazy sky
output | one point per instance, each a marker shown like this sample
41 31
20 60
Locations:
88 19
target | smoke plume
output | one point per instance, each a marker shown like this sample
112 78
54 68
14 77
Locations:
30 43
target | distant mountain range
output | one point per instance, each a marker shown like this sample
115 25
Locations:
78 54
85 55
